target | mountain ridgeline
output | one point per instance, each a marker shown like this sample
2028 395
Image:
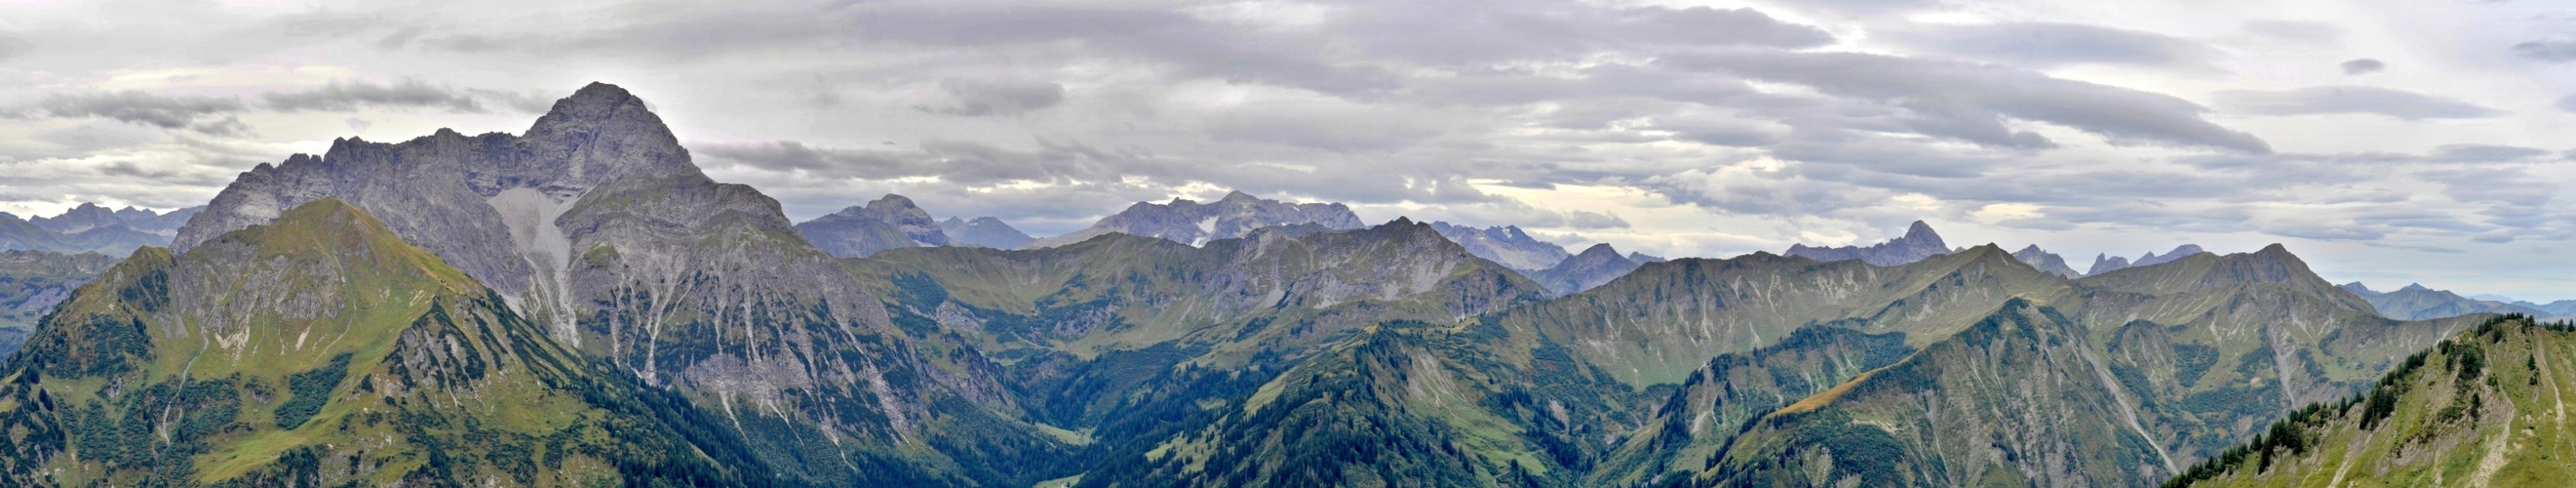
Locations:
91 228
579 305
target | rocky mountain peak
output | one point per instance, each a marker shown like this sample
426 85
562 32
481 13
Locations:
1920 231
1238 196
603 133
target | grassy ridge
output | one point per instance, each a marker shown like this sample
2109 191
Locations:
2484 408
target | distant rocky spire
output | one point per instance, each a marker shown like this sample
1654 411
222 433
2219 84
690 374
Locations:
1918 242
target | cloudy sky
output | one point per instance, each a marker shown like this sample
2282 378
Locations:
2384 141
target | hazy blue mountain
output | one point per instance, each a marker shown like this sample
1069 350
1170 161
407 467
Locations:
2415 302
2561 308
90 228
885 223
1592 267
1918 242
983 232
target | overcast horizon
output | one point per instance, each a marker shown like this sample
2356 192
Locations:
2385 143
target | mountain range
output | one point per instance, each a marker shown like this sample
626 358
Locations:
1193 223
579 304
91 228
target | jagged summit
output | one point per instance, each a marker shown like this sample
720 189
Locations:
1919 242
1920 230
2046 261
2105 263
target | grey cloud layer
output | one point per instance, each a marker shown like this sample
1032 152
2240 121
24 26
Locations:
1971 101
2350 100
2548 50
168 112
347 96
2043 44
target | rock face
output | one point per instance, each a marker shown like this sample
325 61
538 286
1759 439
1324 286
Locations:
596 225
886 223
1918 242
1594 266
1506 245
1190 222
983 232
2107 263
2046 261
